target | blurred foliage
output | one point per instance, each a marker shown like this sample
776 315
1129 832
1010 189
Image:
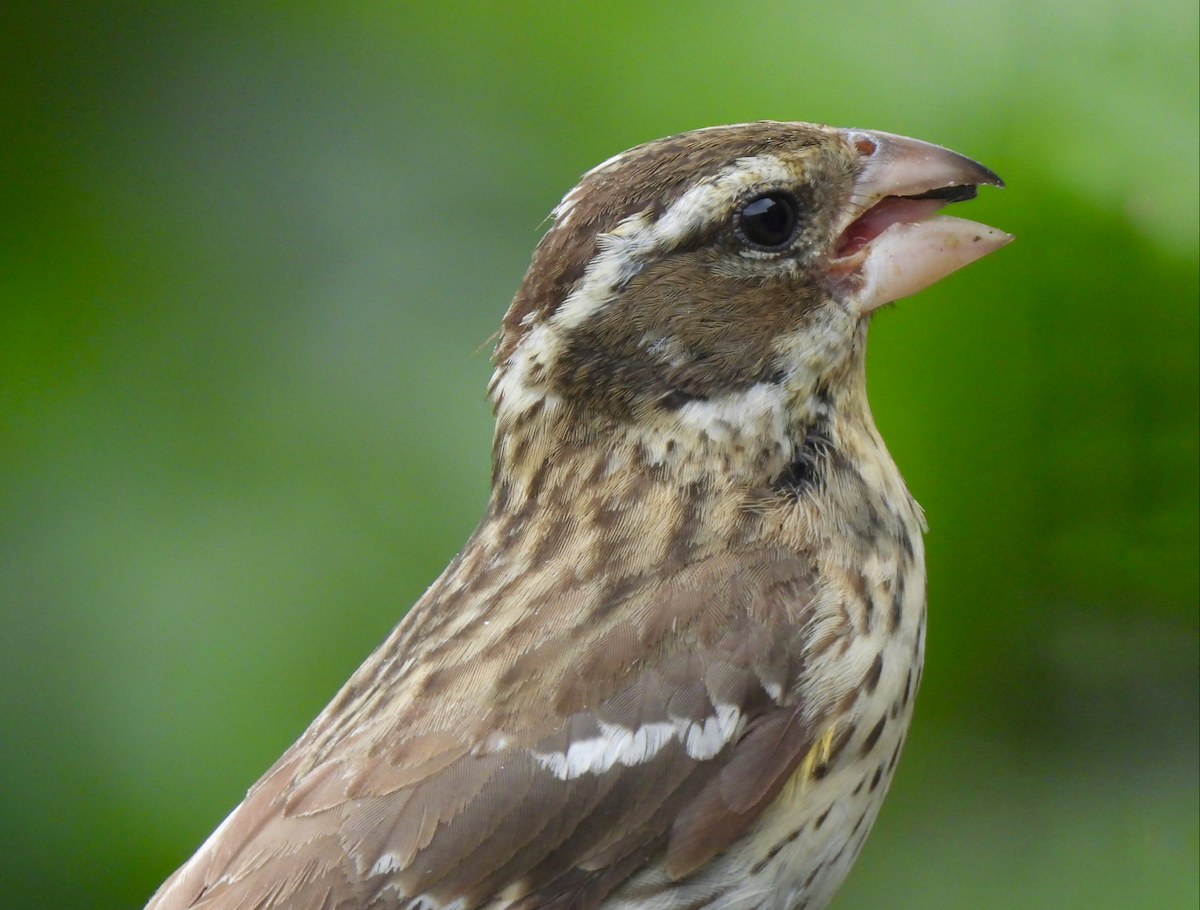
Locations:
249 252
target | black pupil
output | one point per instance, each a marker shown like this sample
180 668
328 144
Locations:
769 220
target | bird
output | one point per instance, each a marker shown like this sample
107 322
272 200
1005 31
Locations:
674 665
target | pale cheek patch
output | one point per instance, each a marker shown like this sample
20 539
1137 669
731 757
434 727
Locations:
745 425
618 745
759 413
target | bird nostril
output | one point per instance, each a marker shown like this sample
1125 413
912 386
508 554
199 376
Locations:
865 147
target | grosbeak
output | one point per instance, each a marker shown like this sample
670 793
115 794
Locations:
674 665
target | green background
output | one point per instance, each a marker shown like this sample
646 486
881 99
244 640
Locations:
249 255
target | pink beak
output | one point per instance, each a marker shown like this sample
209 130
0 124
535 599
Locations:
894 244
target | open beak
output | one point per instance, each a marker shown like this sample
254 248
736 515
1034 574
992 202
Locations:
892 243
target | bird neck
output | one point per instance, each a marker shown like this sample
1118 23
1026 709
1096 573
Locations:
724 455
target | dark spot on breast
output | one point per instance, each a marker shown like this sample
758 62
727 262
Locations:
807 464
765 861
503 491
812 876
839 743
862 590
774 851
873 521
518 455
873 736
897 612
871 680
858 824
536 482
821 818
876 778
895 756
798 476
907 686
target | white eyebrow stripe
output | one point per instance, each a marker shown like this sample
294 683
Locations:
619 745
623 253
711 201
626 249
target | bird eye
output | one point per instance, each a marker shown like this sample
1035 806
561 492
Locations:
769 220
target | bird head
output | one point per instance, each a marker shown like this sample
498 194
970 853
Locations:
714 287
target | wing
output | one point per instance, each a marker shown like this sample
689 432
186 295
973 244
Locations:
656 729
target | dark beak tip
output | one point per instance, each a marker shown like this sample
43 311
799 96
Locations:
983 175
